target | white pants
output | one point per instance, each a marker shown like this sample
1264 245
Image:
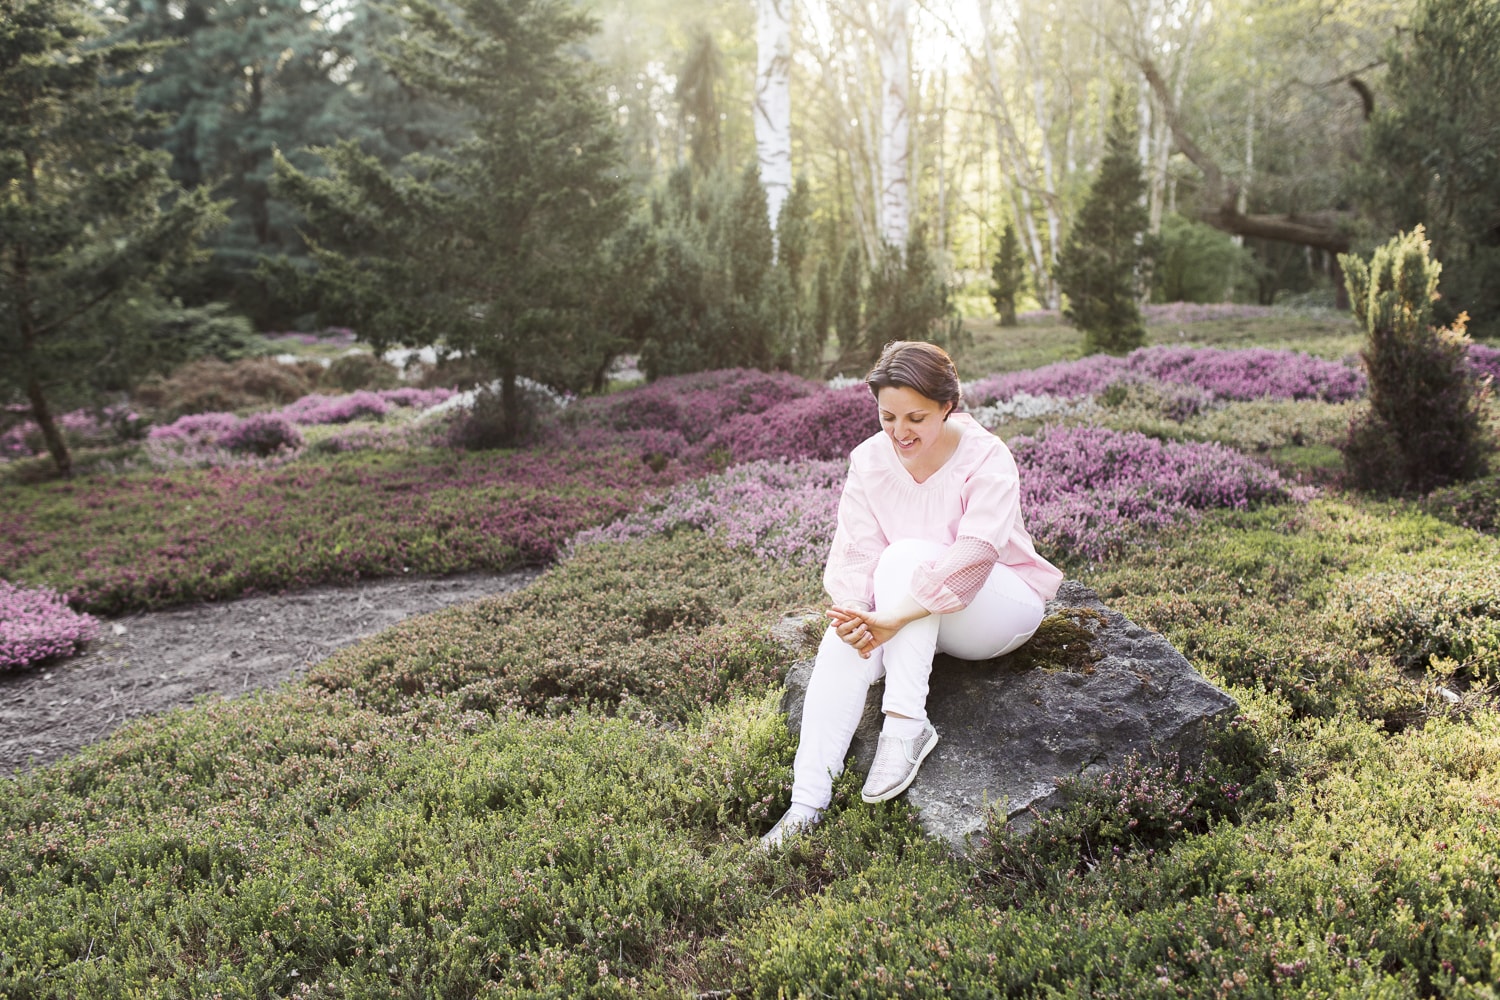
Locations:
1002 616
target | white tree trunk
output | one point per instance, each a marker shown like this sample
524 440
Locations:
895 123
773 101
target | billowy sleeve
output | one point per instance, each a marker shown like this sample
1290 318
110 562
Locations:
858 541
992 511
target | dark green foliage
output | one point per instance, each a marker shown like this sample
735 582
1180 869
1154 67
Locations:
908 299
490 424
723 290
1008 274
1105 258
351 372
498 248
847 321
1422 429
1197 263
88 219
242 80
698 85
1431 157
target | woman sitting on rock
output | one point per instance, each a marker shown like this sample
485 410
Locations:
930 555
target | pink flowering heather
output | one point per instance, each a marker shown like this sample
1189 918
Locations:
691 405
1485 360
262 434
824 425
195 428
1086 490
320 409
779 511
81 427
1254 373
144 541
37 624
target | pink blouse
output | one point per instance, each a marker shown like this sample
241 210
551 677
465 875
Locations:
972 505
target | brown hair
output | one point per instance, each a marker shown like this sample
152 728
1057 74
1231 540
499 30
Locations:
915 364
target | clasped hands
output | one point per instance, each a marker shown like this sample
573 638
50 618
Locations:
867 631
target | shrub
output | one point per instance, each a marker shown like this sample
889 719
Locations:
1473 505
666 626
37 625
781 512
1242 375
1085 491
485 425
361 370
319 409
826 425
693 406
1443 620
1422 429
261 434
147 540
213 385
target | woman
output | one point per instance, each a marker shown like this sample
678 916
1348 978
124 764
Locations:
930 555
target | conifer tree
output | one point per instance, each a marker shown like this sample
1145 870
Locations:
1102 267
847 299
87 216
1422 426
496 248
1009 275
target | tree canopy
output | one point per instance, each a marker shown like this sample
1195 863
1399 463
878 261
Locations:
87 216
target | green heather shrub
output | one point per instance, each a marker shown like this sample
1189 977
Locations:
1474 505
293 842
664 626
1444 619
1376 877
1243 596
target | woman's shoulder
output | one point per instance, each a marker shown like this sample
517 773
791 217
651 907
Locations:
981 452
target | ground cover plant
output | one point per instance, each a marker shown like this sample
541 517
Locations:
148 540
556 792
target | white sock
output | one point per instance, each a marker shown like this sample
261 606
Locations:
903 729
805 813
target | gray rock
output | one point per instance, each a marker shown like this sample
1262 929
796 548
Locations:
1009 732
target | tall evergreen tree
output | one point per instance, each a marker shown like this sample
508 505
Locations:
1432 150
244 80
1103 265
495 249
1009 275
87 216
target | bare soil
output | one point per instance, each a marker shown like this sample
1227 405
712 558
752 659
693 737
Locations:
153 661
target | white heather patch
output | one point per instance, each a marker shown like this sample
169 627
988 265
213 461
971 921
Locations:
1024 406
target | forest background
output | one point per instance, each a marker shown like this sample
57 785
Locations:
773 185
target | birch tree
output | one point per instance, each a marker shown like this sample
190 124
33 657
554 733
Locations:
773 101
895 123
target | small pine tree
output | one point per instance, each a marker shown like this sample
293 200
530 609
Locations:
847 299
1009 274
908 300
1421 429
1103 262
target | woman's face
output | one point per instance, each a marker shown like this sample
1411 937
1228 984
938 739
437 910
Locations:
914 422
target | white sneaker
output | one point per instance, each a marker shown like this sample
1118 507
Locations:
788 826
896 764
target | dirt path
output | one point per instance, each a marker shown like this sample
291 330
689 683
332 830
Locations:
154 661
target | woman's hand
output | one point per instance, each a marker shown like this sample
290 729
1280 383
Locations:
866 631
